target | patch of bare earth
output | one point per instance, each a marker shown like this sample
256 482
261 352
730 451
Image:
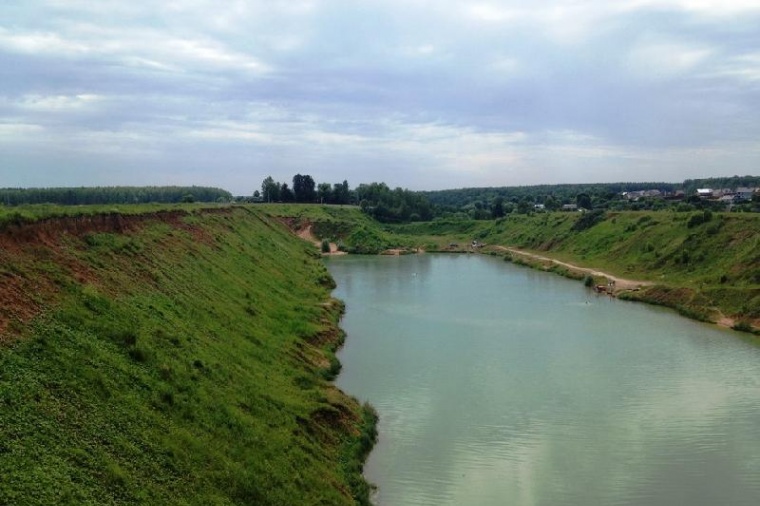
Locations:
620 284
29 250
307 234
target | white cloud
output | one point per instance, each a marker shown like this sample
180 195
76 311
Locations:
11 132
40 43
489 12
745 67
662 59
716 8
53 103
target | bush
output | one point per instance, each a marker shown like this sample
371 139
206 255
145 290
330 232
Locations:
588 220
743 326
325 246
588 281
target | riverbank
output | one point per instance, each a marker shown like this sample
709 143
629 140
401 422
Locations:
606 283
704 265
494 381
181 355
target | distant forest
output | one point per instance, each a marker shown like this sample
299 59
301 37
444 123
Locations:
112 195
401 205
495 202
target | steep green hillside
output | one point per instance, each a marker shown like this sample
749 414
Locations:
174 357
703 264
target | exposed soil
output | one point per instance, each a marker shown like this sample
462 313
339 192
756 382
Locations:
36 256
620 284
306 234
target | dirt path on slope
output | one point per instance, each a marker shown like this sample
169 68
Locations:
307 235
621 284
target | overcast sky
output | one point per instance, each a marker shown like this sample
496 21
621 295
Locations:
423 94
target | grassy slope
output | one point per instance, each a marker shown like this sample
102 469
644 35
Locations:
348 226
697 268
179 362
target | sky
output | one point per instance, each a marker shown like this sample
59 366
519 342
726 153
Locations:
422 94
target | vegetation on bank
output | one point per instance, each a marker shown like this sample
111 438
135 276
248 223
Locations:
181 359
701 263
704 264
112 195
347 226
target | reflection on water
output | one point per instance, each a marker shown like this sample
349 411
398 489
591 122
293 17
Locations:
498 385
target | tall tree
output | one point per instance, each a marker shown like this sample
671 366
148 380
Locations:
583 200
286 194
303 188
497 207
324 193
270 190
341 193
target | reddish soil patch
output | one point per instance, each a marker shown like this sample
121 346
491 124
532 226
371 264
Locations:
28 249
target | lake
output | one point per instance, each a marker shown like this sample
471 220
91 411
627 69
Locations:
497 384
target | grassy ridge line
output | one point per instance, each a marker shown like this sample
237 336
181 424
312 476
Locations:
29 213
181 361
705 266
348 226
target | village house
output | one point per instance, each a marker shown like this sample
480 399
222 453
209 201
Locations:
705 193
745 193
640 194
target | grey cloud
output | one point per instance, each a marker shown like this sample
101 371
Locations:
418 93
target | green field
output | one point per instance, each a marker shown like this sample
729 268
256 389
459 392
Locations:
184 358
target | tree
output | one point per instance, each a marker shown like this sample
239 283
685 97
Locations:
497 207
270 190
551 204
341 193
303 188
324 193
525 205
583 201
286 194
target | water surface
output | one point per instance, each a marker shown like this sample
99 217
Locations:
498 384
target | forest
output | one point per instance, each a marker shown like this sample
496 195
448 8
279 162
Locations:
112 195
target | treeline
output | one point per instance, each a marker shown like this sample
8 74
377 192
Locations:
393 206
488 203
552 196
112 195
375 199
304 190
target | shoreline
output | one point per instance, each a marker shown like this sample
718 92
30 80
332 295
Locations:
614 286
622 286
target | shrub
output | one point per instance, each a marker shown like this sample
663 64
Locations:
588 220
588 281
743 326
325 246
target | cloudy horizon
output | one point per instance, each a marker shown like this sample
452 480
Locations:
416 93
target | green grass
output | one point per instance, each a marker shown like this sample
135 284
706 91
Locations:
17 215
181 362
700 262
348 226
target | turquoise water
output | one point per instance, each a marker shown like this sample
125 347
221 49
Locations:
501 385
